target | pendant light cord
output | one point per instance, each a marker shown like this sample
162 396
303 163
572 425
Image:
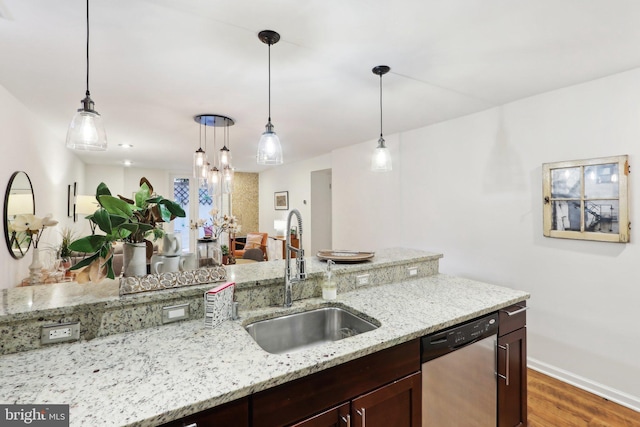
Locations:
87 48
269 82
380 105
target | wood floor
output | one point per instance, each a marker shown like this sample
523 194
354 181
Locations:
553 403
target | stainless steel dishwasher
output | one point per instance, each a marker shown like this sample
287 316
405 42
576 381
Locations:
459 384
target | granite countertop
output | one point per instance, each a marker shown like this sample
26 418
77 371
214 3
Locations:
62 298
159 374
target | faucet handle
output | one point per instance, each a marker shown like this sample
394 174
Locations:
302 266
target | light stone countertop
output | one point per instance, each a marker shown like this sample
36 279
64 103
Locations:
155 375
62 298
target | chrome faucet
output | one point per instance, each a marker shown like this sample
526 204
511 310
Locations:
300 262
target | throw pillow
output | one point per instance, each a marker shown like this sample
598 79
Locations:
254 241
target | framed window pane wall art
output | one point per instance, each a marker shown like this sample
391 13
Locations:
587 199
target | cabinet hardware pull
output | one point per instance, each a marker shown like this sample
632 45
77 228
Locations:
363 416
192 425
347 420
506 376
513 313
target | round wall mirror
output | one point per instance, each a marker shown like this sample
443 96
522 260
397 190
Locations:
18 200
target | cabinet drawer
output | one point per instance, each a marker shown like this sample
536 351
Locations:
512 318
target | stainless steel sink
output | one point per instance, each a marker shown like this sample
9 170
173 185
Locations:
294 332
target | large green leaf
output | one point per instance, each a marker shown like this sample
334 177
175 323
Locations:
142 195
102 190
130 227
85 262
116 206
103 219
88 244
173 207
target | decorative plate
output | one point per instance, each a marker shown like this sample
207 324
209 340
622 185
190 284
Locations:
345 256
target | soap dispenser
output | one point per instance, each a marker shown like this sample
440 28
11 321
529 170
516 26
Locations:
329 288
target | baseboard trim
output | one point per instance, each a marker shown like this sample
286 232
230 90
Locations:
621 398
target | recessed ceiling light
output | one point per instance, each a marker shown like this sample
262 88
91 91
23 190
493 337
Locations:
125 145
127 162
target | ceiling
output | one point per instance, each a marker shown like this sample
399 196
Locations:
157 63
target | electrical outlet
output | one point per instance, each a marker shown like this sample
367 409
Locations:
175 312
362 279
413 271
60 332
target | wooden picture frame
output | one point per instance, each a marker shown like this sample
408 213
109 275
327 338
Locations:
281 200
587 199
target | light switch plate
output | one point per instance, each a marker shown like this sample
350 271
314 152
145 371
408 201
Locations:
412 271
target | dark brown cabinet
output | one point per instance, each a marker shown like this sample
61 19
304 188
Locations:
232 414
301 400
512 367
335 417
396 404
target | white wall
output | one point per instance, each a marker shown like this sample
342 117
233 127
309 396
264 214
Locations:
471 188
296 179
29 146
321 211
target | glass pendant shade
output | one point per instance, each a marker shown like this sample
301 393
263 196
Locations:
199 160
269 148
227 180
86 132
213 181
381 160
225 157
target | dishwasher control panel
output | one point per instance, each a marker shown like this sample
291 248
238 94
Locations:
448 340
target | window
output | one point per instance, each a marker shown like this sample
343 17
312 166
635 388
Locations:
586 199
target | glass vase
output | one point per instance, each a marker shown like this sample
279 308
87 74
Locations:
209 253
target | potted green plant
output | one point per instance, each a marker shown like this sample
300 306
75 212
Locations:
125 220
63 251
225 254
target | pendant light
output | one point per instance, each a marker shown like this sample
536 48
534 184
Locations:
86 131
199 157
269 148
225 153
214 172
213 178
381 160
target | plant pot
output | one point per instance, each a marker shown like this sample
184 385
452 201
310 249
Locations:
134 259
225 259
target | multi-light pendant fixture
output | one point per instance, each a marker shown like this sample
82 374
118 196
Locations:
86 131
269 148
381 160
214 174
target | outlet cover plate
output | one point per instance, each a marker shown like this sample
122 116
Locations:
60 332
362 279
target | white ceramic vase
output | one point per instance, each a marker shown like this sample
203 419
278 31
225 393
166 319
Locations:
35 268
134 259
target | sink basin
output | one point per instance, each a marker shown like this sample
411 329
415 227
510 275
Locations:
294 332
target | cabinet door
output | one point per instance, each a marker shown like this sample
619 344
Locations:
233 414
512 379
334 417
397 404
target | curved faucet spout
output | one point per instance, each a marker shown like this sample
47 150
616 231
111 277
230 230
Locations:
301 273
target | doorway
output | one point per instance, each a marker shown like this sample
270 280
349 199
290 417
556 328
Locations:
321 221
